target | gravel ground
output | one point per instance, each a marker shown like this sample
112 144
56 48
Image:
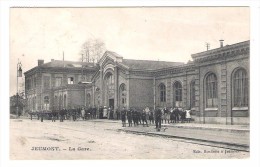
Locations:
81 140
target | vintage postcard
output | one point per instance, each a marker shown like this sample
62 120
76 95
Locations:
129 83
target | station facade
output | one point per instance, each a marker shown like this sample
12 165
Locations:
215 85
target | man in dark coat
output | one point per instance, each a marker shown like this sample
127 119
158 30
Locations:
144 119
62 113
129 117
101 112
158 117
151 117
139 117
123 116
95 113
117 114
53 115
42 114
135 117
176 115
74 114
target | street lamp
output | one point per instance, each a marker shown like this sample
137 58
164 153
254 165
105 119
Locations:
19 74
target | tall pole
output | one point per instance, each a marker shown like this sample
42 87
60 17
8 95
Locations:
82 69
17 112
207 45
18 71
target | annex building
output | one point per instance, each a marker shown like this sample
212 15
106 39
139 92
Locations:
215 85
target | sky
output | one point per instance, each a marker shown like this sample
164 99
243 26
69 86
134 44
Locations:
158 33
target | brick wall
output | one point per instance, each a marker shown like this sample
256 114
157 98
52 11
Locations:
140 93
223 71
77 98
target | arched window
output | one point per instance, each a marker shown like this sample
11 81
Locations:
211 90
177 96
109 85
192 94
109 82
88 100
178 91
60 102
162 90
122 94
56 102
46 102
240 88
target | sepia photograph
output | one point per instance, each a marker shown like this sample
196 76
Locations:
130 83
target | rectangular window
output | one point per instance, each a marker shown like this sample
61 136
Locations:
162 96
211 91
70 80
58 81
240 89
29 83
46 82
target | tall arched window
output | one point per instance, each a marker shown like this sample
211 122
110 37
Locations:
192 94
60 102
211 90
46 103
88 100
162 90
177 97
122 94
240 88
56 106
109 85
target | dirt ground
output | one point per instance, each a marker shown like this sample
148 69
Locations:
85 140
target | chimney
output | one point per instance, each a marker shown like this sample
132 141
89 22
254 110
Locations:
52 60
221 43
40 62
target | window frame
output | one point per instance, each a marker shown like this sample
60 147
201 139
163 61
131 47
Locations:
56 79
45 81
162 90
240 88
70 80
211 92
177 87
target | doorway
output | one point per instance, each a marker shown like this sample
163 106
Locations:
111 103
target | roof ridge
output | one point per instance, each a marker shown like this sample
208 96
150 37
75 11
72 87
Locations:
155 61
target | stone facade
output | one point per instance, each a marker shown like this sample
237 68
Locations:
205 85
54 85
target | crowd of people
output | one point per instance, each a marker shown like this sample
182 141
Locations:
132 116
67 114
158 116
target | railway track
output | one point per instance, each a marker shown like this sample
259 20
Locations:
217 144
192 140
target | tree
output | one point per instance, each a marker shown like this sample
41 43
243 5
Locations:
92 50
21 104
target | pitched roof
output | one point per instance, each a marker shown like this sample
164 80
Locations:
221 49
67 64
149 64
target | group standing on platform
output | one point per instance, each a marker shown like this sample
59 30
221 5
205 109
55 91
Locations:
132 116
158 116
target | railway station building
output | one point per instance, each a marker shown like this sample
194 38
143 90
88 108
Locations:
214 85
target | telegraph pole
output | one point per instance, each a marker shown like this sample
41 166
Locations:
207 45
19 74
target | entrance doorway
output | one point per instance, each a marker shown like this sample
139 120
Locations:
111 103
